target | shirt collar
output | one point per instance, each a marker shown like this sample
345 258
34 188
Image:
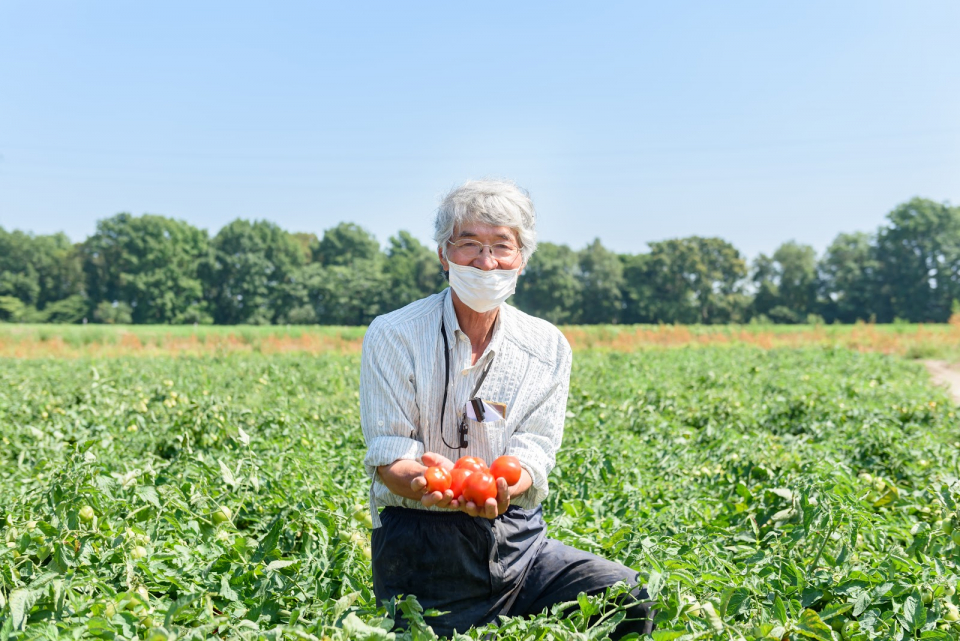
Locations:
454 332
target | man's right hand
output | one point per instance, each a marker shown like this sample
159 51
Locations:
430 499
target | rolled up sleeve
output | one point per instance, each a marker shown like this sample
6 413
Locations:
388 411
539 434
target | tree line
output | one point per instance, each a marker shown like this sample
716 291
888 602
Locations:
155 269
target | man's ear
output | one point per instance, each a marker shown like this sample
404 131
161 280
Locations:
443 259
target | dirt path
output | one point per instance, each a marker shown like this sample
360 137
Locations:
943 374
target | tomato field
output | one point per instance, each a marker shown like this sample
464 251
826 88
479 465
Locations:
762 493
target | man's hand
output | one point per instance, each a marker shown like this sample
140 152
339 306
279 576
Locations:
430 499
492 508
405 478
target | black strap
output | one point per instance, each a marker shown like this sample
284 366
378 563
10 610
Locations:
446 381
462 443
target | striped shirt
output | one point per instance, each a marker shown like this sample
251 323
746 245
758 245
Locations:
402 383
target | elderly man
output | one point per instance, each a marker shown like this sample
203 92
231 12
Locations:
422 366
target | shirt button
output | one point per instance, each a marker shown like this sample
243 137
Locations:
380 423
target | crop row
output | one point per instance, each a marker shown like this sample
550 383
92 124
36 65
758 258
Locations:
762 494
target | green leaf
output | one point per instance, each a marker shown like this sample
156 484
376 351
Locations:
357 629
227 474
20 603
668 635
148 493
279 565
914 614
655 583
587 605
780 610
269 542
811 626
226 591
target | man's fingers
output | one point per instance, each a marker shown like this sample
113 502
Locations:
432 459
490 508
431 498
418 483
446 499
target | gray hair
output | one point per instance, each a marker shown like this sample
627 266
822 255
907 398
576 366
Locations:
494 202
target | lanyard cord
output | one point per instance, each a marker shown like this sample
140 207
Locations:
462 430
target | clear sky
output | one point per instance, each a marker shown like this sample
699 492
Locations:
758 122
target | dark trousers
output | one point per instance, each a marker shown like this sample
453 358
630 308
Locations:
476 569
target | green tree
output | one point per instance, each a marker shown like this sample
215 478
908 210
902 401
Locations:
411 271
344 244
848 277
787 283
919 261
149 263
345 294
601 285
38 271
549 286
688 280
250 278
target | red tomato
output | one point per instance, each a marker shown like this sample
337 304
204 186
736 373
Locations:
457 478
472 463
506 468
480 487
438 479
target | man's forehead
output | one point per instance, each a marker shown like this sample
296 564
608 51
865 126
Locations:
476 230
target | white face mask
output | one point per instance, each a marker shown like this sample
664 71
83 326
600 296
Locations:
482 290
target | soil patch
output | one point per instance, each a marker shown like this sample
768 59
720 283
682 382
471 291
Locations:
944 375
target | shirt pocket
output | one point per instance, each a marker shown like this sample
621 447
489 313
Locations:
487 439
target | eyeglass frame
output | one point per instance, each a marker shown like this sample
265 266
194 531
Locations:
517 249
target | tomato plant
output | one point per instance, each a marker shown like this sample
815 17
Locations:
742 478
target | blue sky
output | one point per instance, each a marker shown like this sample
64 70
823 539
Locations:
758 122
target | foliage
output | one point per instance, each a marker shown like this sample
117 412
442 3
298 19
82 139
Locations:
919 256
148 264
761 494
255 273
550 286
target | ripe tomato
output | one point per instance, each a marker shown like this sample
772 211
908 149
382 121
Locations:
438 479
506 468
457 478
472 463
480 487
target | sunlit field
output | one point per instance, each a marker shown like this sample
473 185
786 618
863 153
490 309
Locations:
72 341
197 483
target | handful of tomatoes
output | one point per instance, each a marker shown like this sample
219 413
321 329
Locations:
471 480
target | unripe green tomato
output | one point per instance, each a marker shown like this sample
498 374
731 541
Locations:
367 552
947 525
138 552
950 612
956 537
850 629
949 589
110 610
87 514
222 515
837 623
927 596
147 621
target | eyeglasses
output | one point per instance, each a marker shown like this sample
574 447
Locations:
471 249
